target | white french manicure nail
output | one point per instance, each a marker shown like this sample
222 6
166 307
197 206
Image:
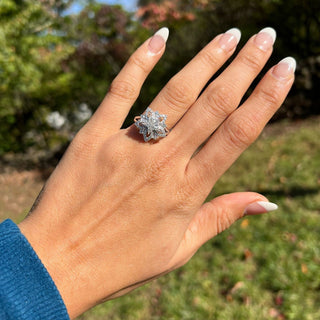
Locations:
270 31
291 62
230 39
260 207
236 32
269 206
164 33
158 41
285 68
265 39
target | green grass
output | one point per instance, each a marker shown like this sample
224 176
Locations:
263 267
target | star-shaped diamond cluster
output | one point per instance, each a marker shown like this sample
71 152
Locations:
152 125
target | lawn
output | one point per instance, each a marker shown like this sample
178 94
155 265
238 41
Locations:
263 267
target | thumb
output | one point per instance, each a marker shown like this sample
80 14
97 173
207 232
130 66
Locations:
217 215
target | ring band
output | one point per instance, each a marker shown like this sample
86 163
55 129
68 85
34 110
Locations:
152 125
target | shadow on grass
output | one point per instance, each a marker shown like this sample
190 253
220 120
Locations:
293 191
42 161
284 191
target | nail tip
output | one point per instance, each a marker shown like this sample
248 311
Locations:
272 32
269 206
236 32
164 33
291 61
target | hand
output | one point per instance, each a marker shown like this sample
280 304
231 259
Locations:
118 211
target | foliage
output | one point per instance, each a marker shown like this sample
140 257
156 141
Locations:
103 44
167 12
297 24
47 60
31 76
52 62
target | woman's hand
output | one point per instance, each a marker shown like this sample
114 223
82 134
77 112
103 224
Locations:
118 211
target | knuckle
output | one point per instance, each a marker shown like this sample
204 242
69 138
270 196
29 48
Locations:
116 151
251 60
269 96
207 171
137 60
159 166
186 197
223 218
209 58
153 172
124 89
83 146
242 132
179 93
220 101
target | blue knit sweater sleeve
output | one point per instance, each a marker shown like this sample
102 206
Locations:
27 291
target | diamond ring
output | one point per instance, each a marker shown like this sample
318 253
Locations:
152 125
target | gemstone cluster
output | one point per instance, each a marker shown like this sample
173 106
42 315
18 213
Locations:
152 125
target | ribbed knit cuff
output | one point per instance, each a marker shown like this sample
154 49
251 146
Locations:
27 291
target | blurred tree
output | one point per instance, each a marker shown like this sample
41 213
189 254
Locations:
297 23
31 77
53 63
47 60
104 37
169 12
57 7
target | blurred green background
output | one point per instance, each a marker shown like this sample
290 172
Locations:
57 60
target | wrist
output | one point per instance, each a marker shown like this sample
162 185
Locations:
68 272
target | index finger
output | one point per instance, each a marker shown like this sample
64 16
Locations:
126 87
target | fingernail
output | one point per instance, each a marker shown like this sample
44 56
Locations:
158 41
260 207
230 39
284 68
265 38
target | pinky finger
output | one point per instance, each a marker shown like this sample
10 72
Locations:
244 125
